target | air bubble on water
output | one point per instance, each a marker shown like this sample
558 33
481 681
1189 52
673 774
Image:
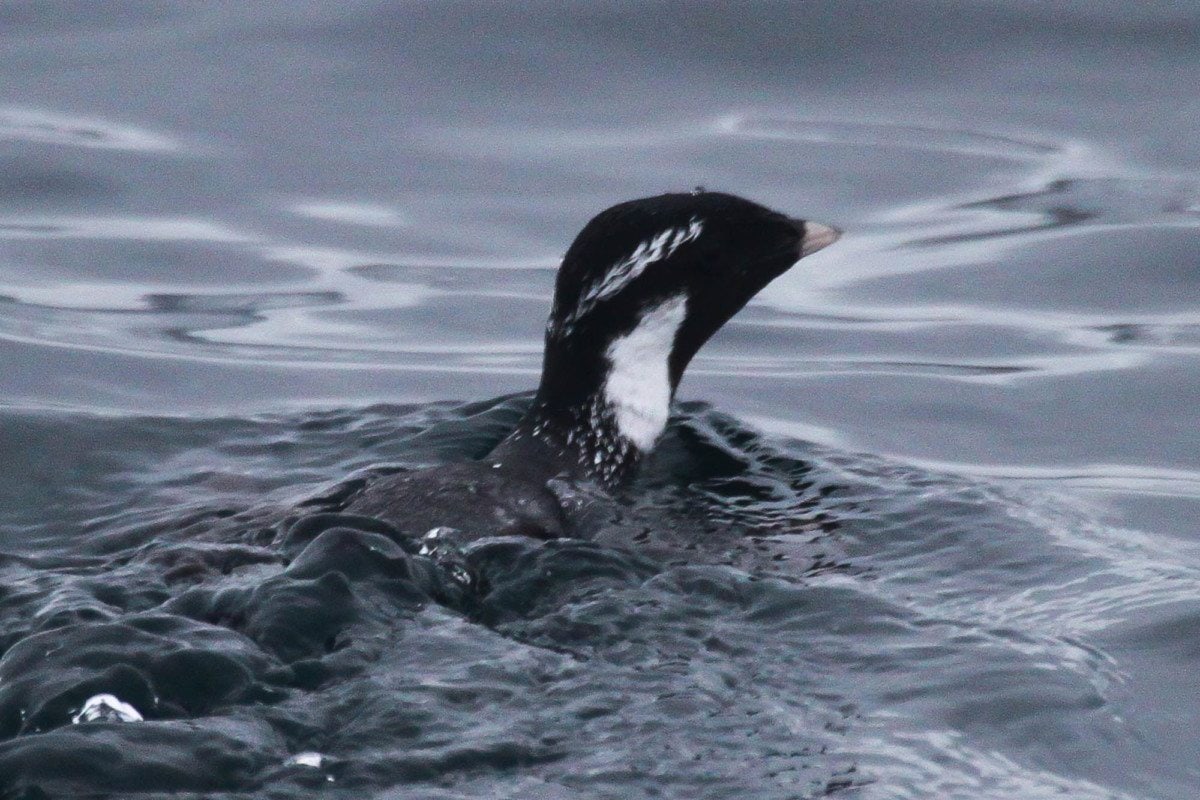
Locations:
459 573
106 708
443 544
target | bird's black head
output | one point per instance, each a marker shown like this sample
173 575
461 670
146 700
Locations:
642 287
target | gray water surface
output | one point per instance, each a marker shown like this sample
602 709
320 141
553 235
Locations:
932 532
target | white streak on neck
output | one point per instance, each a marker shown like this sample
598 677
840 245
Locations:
638 387
657 248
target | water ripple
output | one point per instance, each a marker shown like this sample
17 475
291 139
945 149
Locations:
51 127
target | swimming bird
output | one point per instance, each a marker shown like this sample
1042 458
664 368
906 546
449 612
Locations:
642 287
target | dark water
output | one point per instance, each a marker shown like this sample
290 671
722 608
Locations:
932 532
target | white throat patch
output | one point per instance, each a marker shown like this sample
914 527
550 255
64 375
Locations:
638 387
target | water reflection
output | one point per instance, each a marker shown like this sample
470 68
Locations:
43 126
207 211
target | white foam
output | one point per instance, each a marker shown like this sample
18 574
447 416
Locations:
307 759
638 387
